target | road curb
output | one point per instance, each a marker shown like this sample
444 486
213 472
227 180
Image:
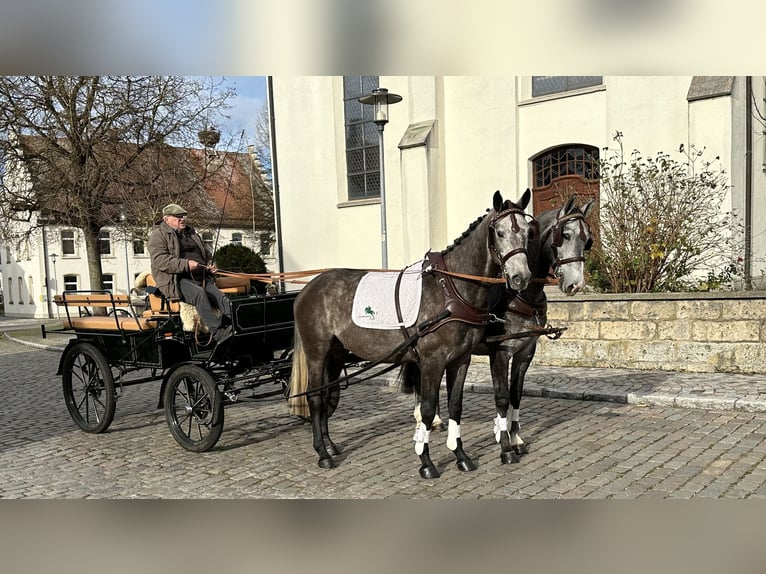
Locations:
33 344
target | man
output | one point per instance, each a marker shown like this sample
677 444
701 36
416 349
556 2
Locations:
182 268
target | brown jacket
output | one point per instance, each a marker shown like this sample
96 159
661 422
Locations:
166 261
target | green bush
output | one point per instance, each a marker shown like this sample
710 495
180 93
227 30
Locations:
241 259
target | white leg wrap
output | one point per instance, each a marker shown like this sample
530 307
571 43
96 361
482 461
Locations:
437 420
501 425
422 436
515 438
453 433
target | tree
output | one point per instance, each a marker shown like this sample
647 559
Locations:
95 151
662 224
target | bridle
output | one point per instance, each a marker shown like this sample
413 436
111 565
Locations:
557 239
512 213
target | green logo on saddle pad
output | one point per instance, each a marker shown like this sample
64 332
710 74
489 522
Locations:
369 311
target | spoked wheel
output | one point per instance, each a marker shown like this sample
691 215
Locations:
193 408
88 387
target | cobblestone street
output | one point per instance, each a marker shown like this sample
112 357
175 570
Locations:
578 448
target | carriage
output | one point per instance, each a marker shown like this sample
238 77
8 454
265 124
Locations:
299 343
115 345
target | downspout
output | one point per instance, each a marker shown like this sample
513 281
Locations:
47 273
275 178
748 183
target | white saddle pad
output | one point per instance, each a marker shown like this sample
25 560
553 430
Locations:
375 303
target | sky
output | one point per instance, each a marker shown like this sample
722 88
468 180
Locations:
251 96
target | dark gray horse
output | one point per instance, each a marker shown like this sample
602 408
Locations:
564 236
451 322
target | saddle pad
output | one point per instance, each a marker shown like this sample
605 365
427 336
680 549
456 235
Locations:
375 304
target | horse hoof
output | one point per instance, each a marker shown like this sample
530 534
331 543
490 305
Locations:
465 465
521 449
326 462
508 457
429 472
437 427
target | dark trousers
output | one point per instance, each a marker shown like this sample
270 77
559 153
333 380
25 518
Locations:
204 299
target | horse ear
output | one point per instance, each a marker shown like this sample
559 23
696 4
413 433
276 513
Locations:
570 204
524 201
587 207
497 201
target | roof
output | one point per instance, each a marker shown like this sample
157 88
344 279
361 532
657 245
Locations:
705 87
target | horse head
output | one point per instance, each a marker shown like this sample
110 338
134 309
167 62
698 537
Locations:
570 237
510 229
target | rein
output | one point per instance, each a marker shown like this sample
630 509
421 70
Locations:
423 329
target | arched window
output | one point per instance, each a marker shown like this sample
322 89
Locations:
563 171
579 160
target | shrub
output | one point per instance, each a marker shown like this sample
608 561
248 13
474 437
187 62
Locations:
241 259
662 224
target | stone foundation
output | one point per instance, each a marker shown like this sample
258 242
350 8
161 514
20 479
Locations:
705 332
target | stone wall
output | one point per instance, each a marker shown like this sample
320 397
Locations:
705 332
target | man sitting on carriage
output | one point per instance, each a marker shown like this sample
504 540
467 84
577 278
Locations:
183 270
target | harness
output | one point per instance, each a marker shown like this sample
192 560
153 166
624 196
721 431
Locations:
557 239
456 308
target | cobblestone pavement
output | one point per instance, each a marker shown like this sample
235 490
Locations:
578 448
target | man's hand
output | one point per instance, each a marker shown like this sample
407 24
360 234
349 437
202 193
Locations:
193 265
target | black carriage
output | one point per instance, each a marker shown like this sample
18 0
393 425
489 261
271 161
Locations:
115 346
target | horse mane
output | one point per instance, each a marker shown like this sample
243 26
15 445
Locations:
457 241
507 204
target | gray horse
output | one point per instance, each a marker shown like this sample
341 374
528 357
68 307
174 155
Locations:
450 323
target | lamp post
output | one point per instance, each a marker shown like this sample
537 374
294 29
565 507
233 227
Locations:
379 99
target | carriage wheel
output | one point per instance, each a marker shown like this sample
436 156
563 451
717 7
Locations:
193 408
88 387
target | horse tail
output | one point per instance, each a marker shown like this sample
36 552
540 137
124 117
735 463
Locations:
409 378
299 379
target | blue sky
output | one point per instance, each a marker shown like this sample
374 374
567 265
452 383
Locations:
251 96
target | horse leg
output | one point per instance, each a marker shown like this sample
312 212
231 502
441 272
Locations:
498 360
438 422
455 383
334 370
430 380
521 362
316 377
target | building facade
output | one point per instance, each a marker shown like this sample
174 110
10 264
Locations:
452 141
53 258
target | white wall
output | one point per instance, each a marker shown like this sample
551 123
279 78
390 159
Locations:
486 130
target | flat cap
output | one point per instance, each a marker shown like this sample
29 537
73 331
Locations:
173 209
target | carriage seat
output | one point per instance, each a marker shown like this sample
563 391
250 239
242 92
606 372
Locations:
160 306
115 321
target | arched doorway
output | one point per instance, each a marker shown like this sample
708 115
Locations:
563 171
